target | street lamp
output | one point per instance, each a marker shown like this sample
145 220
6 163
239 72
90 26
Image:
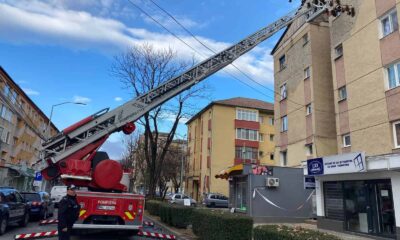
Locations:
51 114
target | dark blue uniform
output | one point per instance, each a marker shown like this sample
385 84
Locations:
68 213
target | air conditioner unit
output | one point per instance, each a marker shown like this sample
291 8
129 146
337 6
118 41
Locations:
272 182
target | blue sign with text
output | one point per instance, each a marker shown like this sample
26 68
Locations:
315 166
38 176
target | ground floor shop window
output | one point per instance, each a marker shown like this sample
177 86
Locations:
363 206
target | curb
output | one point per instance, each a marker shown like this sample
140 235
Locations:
163 225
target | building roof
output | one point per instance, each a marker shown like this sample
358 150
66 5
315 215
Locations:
239 102
3 72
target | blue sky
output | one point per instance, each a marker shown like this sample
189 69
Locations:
62 50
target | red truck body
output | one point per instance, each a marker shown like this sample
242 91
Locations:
104 210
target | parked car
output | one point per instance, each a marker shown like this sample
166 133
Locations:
41 206
13 209
57 193
179 198
215 200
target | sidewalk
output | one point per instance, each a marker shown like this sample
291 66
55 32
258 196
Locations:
343 236
182 234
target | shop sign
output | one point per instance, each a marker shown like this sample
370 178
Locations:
309 182
343 163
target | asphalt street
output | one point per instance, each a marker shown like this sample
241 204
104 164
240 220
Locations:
34 227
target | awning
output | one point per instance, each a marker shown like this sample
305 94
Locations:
224 174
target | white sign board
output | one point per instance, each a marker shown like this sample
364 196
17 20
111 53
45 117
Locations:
186 202
343 163
37 183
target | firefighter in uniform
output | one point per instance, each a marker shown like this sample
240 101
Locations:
68 213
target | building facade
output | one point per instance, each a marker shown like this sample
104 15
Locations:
225 133
338 80
21 125
304 109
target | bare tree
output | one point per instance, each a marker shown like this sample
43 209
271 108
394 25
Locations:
141 69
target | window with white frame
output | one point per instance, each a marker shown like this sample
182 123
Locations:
396 134
282 62
6 113
309 150
271 121
339 51
393 75
346 140
247 115
284 124
308 109
305 39
261 119
283 91
246 153
389 23
342 93
247 134
306 72
261 137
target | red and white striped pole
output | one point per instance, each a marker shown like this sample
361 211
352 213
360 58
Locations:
146 223
37 235
156 235
50 221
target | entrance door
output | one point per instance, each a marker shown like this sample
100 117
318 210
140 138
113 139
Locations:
369 207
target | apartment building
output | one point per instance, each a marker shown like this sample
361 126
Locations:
21 124
304 108
226 133
338 106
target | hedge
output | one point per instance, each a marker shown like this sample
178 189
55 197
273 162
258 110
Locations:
281 232
217 224
176 215
153 207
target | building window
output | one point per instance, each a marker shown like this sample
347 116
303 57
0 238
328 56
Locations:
284 158
308 109
346 140
271 121
261 119
246 153
309 150
305 39
342 93
261 137
339 51
282 62
307 73
247 115
389 23
284 124
393 75
283 91
396 134
271 156
6 113
271 137
246 134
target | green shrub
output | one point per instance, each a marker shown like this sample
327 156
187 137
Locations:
153 207
281 232
217 224
175 215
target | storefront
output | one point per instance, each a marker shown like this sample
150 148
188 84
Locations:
358 194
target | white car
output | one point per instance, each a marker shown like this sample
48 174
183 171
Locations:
179 198
57 193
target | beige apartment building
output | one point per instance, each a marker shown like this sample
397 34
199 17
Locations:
304 106
353 68
21 123
223 134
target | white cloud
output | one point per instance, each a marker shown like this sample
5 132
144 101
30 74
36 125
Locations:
80 99
30 92
118 99
170 117
51 23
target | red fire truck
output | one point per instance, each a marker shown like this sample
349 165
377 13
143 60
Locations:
73 154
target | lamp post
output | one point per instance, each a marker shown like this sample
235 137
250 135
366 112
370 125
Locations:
51 114
183 148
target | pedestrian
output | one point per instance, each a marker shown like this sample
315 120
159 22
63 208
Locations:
68 213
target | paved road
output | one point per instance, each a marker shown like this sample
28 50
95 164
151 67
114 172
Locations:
33 226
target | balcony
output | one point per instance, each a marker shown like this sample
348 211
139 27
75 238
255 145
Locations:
240 160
